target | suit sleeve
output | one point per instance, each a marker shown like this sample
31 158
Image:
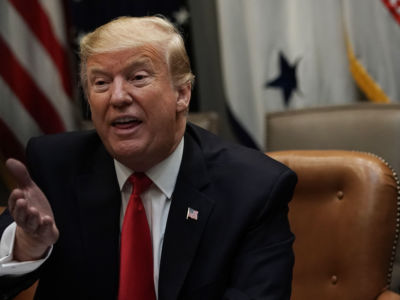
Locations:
263 265
11 285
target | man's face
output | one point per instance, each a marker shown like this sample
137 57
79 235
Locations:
138 113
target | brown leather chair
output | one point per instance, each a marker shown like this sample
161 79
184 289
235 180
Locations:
368 127
344 215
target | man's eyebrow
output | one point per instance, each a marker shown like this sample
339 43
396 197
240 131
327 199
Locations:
140 63
96 70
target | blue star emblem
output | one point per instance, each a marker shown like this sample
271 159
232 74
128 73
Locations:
287 80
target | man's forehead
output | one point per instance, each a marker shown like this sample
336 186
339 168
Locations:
128 58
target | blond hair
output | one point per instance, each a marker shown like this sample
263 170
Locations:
132 32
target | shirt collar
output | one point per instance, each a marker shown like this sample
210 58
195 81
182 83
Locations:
163 175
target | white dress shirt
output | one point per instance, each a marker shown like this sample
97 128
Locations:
156 201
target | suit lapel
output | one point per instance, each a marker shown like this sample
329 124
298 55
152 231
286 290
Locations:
182 235
99 209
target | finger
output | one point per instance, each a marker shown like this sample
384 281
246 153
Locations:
32 220
19 171
12 199
20 211
48 230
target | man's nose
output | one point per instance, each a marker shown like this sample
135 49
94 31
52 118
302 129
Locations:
119 93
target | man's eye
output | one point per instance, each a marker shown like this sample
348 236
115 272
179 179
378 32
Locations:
100 85
100 82
139 77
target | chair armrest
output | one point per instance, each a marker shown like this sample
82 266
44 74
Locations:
388 295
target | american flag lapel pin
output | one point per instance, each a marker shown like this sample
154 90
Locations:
192 214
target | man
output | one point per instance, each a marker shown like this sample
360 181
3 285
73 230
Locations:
216 212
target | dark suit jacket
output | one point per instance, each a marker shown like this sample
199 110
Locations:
239 248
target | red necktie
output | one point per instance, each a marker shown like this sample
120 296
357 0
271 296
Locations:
136 263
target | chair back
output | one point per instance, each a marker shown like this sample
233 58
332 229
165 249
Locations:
344 216
365 127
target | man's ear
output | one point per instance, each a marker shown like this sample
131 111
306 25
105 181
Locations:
184 94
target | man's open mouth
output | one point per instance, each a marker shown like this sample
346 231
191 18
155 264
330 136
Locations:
126 122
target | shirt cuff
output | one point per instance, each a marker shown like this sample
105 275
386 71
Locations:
9 266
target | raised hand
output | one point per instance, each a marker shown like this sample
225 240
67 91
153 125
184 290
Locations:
36 227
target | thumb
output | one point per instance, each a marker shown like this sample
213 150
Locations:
19 171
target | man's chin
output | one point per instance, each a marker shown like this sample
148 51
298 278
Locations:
124 148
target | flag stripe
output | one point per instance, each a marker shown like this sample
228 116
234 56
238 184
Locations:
55 12
30 96
30 53
393 8
39 23
15 116
35 83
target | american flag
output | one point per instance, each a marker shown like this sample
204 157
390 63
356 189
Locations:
192 214
36 93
